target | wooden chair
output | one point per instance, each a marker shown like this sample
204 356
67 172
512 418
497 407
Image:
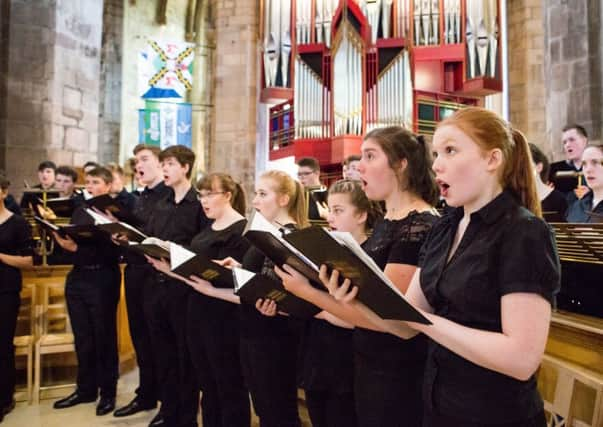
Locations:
54 332
563 406
24 342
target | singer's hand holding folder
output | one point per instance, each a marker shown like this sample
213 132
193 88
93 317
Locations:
106 203
186 263
250 287
117 227
339 251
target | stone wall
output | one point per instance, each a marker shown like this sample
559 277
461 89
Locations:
51 75
573 54
526 69
235 88
110 81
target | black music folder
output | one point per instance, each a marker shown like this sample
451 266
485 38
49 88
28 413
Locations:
107 203
34 196
105 224
79 233
152 247
61 206
341 252
268 239
250 287
186 263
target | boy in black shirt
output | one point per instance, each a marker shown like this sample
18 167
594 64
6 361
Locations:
136 282
176 218
92 294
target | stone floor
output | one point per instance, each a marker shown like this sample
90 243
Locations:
43 415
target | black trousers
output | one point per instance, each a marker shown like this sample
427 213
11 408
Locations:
330 409
213 343
387 397
269 367
9 309
135 278
431 419
165 308
92 294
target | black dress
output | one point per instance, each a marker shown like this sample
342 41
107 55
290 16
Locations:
15 239
389 370
213 337
327 374
505 249
269 352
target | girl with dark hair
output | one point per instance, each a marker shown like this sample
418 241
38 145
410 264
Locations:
15 253
212 326
268 345
395 168
487 277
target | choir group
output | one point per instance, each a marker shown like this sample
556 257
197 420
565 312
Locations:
483 270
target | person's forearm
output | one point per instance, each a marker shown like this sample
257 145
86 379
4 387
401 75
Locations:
492 350
17 261
345 312
225 295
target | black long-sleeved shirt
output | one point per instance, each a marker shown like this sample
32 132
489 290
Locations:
98 251
177 222
142 210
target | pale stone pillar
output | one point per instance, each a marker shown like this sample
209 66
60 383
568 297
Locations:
232 147
50 74
526 69
573 54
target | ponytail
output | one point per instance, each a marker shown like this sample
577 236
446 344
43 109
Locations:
518 175
238 201
298 208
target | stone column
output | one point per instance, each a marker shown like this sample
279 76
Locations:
526 69
573 54
232 148
52 81
110 81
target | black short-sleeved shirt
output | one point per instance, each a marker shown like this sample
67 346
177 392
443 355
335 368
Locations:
219 244
395 242
15 239
580 210
555 202
505 249
254 325
177 222
142 211
100 251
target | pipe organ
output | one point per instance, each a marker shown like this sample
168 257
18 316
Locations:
335 69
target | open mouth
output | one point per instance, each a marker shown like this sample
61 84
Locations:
444 187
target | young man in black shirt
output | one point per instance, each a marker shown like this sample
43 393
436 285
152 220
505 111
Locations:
136 275
176 218
92 294
575 140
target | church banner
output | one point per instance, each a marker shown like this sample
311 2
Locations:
164 124
165 69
